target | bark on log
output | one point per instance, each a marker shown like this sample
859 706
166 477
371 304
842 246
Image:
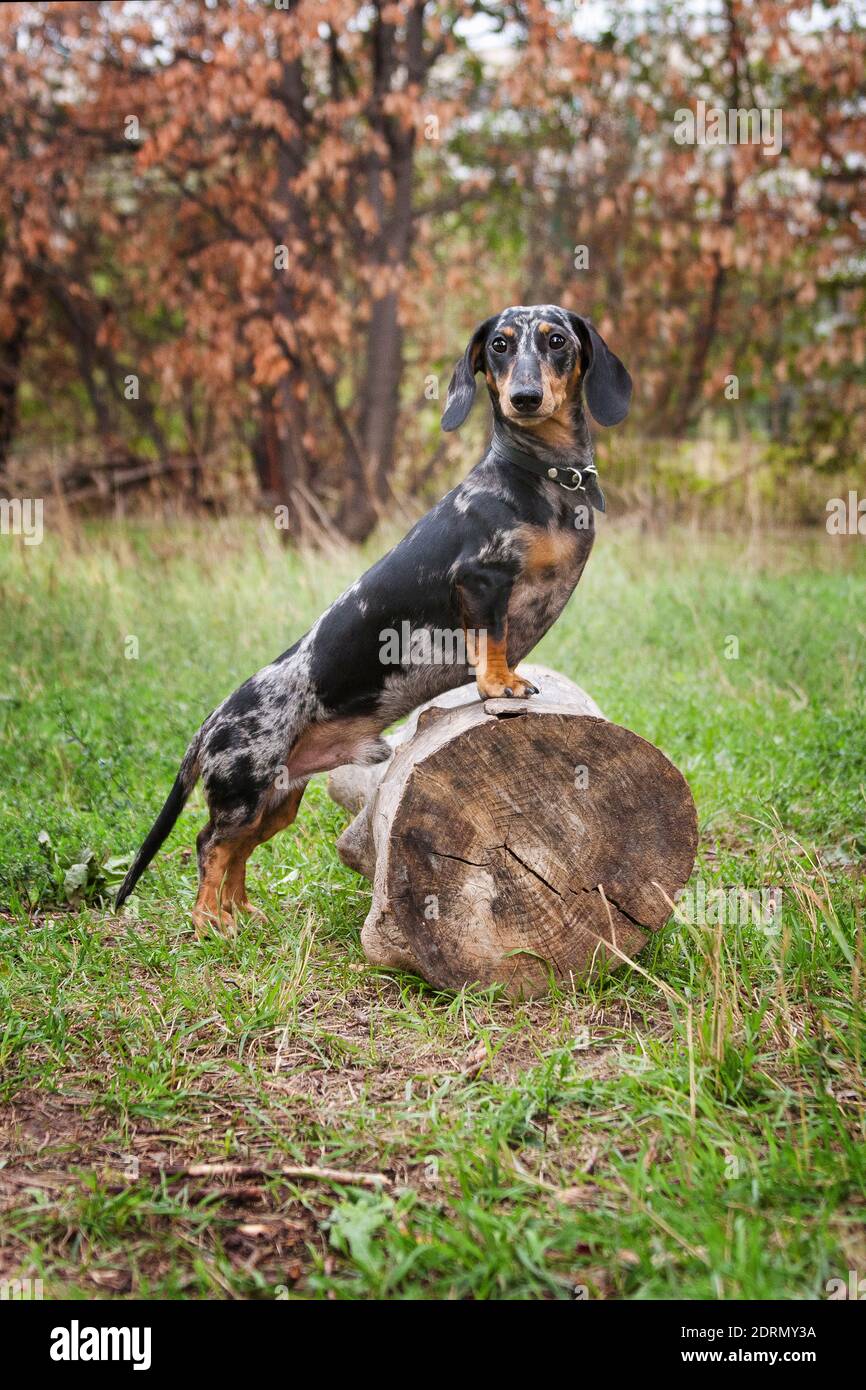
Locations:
510 841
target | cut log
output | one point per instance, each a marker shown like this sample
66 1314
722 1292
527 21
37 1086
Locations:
516 841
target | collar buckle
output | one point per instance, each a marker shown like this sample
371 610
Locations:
575 473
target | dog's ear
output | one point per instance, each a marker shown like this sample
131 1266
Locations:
606 383
461 389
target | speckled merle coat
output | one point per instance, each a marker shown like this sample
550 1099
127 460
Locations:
496 559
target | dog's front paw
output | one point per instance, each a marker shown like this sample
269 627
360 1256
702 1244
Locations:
510 686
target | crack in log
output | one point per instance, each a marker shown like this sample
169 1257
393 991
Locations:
642 926
485 864
529 869
472 863
541 879
419 843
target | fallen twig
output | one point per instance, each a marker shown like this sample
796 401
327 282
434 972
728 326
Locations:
298 1171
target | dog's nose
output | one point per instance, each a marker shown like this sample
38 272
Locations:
526 399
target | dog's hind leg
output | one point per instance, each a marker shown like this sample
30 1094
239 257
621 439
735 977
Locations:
216 853
270 823
240 787
222 861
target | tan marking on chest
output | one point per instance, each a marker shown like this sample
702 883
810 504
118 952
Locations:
546 550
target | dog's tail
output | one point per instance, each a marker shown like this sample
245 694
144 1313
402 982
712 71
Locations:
177 798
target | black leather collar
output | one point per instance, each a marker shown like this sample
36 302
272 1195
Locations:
568 476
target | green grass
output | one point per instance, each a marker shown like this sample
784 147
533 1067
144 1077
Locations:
692 1132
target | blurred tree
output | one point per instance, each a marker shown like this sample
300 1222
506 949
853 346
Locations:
708 261
279 163
282 219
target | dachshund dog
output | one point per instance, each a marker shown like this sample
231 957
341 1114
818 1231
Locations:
492 565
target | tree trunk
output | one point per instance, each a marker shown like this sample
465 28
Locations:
516 841
280 453
12 348
691 402
391 160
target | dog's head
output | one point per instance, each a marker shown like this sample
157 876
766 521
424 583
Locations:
539 361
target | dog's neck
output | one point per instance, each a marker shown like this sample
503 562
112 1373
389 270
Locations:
571 444
561 459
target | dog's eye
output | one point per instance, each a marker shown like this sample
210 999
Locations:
499 345
556 340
